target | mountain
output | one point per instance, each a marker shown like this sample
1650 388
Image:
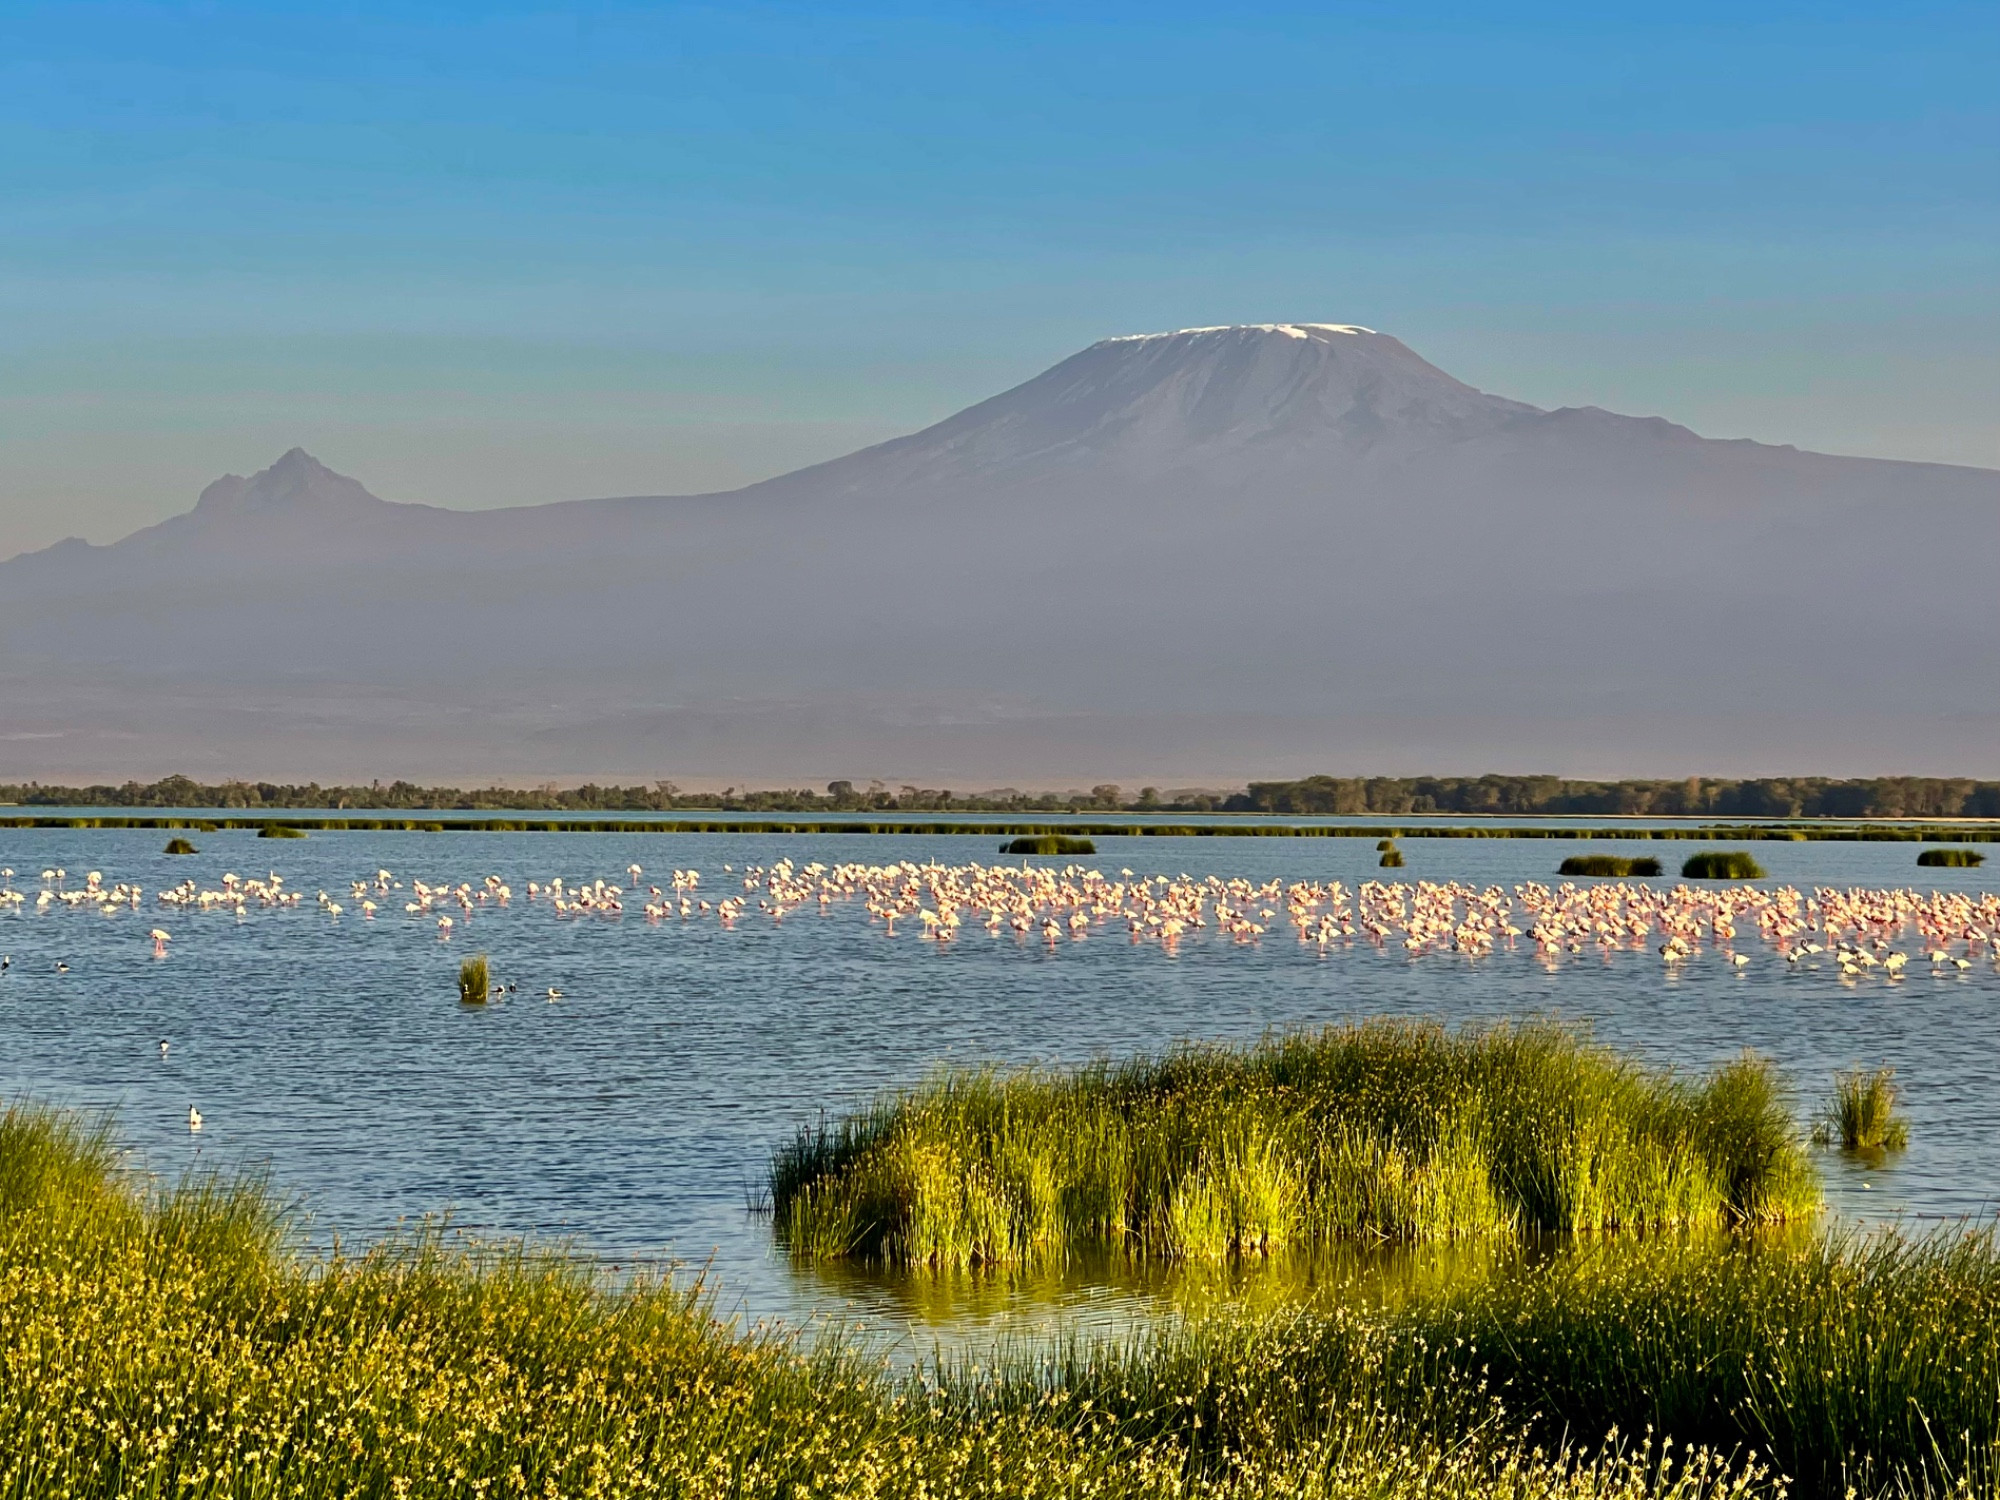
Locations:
1194 556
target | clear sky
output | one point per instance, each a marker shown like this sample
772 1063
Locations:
482 255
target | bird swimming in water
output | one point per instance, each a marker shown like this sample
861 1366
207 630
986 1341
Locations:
61 967
163 1046
554 994
194 1118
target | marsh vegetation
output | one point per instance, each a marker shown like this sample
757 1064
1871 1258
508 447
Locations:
473 980
1956 858
1388 1130
172 1340
180 846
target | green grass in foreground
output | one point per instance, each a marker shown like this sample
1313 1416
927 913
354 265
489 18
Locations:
1387 1130
158 1342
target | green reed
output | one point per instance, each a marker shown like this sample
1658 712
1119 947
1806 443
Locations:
1862 1113
180 846
473 981
1387 1130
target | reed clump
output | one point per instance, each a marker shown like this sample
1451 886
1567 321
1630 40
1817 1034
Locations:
1382 1131
1722 864
1048 843
1957 857
173 1340
280 831
180 846
1392 859
473 979
1608 864
1862 1113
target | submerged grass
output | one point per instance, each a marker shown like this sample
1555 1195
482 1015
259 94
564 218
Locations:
1388 1130
170 1341
1862 1114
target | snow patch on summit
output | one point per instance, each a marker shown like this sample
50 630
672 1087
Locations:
1289 330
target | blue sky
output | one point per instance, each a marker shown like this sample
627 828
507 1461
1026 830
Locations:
492 255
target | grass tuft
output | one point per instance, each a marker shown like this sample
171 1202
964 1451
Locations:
1385 1131
472 981
280 831
1608 864
181 846
1957 857
1722 864
1048 843
1862 1114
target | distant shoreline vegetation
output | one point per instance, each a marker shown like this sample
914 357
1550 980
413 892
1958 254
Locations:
1483 796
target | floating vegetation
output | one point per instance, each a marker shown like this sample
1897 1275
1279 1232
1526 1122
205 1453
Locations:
1388 1130
1722 864
1049 843
1608 864
163 1337
1392 859
472 981
1862 1115
280 831
180 846
1956 858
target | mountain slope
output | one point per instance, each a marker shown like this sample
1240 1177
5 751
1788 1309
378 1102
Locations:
1200 555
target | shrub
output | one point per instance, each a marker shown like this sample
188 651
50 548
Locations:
181 846
472 981
1392 859
1862 1114
1049 843
1722 864
280 831
1958 857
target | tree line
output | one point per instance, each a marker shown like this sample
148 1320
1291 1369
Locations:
1767 797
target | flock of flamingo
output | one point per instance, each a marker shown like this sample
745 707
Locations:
1853 932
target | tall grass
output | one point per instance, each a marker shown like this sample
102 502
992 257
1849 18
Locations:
280 831
1862 1114
1387 1130
1959 857
473 979
1722 864
180 846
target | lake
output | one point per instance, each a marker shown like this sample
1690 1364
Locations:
635 1115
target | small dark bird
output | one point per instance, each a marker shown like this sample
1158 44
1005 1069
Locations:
61 967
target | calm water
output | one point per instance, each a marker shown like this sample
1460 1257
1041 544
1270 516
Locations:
637 1114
